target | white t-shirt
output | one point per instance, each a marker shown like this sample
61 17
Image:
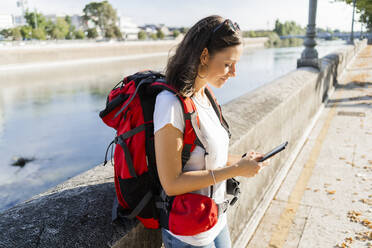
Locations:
168 109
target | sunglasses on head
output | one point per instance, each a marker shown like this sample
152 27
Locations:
234 26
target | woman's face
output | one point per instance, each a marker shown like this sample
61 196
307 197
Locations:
222 65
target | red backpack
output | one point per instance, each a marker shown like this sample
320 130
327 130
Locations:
129 110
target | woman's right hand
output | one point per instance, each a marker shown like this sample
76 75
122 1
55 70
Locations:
249 164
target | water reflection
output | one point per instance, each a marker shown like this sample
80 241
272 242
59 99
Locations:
58 124
259 67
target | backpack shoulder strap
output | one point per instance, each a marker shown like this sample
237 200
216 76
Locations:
217 108
192 135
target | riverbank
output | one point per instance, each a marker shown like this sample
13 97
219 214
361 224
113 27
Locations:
81 63
39 52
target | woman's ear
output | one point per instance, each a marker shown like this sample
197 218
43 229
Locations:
204 57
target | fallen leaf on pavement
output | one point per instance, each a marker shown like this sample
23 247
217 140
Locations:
366 223
331 192
364 236
367 201
349 239
353 216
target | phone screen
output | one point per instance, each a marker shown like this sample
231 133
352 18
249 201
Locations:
274 151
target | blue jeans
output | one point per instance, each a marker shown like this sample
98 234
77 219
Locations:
221 241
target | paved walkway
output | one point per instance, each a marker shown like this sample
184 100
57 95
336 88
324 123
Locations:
326 198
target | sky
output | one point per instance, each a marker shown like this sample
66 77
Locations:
249 14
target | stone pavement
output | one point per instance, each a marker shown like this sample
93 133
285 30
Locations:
326 198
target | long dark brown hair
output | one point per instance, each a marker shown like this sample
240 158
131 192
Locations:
182 67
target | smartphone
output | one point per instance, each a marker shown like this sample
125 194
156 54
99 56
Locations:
271 153
274 151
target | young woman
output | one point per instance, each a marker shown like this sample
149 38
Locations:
208 53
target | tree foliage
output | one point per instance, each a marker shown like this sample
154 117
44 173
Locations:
184 30
288 28
364 7
60 29
92 33
7 32
71 30
38 33
160 34
176 33
35 20
79 34
103 16
26 32
142 35
154 36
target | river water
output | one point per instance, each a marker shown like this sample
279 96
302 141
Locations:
58 125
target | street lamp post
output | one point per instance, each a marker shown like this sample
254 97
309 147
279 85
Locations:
309 57
352 25
35 18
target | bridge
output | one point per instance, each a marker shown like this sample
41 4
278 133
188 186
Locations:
328 35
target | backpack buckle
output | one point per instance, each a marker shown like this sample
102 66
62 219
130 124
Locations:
222 207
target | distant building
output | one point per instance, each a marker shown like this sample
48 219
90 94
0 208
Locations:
6 21
129 29
51 17
150 28
164 29
77 21
19 21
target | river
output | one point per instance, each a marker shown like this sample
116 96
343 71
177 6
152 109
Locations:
58 125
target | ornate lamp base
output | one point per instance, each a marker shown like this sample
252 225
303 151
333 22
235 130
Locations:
309 63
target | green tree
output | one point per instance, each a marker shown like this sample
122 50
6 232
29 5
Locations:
71 29
26 32
184 30
364 7
92 33
60 29
7 32
16 33
273 41
176 33
160 34
35 19
288 28
142 35
49 26
79 34
38 33
113 31
117 32
103 16
320 30
252 34
13 33
154 36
